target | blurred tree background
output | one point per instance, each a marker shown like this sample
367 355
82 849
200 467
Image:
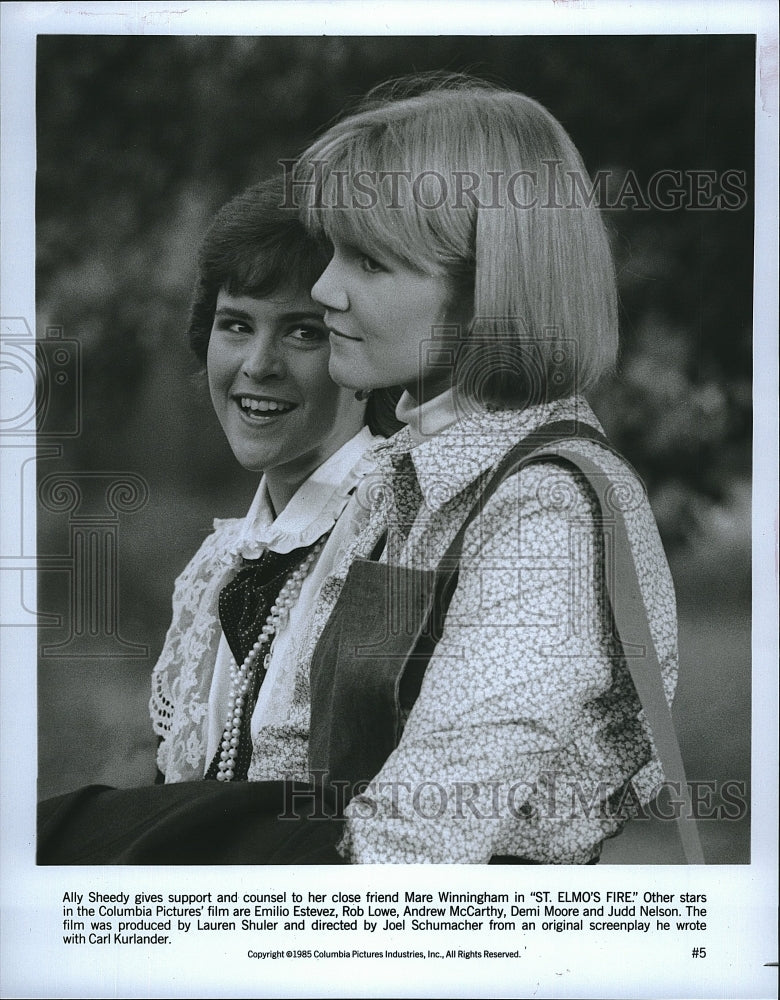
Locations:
141 139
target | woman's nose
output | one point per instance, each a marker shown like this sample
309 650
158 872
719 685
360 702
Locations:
329 291
264 358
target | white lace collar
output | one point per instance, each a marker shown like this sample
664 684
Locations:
314 508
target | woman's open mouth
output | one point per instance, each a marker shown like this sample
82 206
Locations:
261 410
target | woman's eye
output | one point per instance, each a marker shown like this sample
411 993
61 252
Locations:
226 325
369 265
356 256
309 334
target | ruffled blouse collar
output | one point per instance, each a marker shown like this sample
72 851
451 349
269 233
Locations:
315 507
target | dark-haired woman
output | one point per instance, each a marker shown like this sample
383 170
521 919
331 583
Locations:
230 695
266 352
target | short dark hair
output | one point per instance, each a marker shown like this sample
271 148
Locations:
253 247
256 247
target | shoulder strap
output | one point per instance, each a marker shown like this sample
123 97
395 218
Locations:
541 440
625 595
630 617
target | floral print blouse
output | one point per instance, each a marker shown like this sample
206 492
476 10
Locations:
527 738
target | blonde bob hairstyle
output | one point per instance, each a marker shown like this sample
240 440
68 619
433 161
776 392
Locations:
460 178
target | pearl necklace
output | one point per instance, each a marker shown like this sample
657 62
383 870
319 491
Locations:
240 677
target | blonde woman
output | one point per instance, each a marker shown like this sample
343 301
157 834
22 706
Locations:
493 714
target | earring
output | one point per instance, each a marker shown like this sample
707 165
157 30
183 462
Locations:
362 395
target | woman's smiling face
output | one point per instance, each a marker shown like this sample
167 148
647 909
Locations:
268 377
382 314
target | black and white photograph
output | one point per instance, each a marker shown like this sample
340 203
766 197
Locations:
389 446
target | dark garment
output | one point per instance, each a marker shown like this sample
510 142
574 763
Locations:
244 606
368 668
191 823
195 823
